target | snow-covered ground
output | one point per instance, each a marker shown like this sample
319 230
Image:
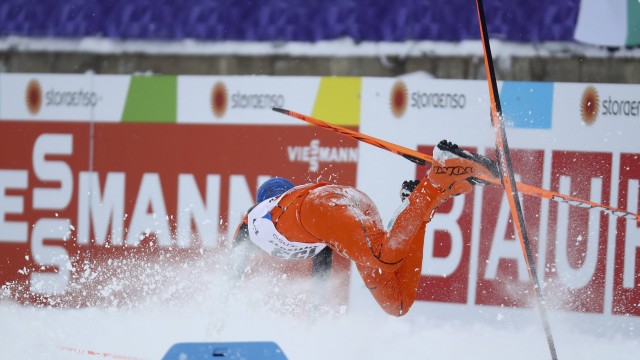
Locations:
275 308
147 333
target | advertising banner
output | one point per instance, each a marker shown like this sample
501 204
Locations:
575 139
57 97
96 201
100 175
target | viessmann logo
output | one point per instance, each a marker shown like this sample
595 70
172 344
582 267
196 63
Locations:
35 99
314 154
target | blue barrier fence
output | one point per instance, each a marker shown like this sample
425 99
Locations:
289 20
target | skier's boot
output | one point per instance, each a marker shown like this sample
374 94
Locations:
456 171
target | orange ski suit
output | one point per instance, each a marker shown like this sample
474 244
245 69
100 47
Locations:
347 220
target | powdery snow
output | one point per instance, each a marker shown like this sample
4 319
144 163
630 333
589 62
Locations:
275 307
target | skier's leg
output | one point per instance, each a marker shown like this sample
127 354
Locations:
348 221
395 291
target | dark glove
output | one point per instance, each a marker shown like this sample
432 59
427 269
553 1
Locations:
407 188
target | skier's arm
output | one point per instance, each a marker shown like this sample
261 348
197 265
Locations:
242 233
242 249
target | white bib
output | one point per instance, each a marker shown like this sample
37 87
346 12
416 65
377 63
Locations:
263 233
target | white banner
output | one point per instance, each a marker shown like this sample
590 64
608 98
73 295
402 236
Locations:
577 139
243 99
63 97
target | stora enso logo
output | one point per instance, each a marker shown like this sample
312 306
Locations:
219 99
36 98
33 97
589 105
398 99
608 106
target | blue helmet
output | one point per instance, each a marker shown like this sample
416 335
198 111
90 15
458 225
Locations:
272 188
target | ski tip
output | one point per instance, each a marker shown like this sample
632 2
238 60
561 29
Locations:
280 110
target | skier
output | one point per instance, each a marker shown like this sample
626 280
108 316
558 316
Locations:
298 222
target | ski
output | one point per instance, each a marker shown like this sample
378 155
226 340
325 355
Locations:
424 159
508 178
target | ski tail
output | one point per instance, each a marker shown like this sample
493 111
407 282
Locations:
424 159
508 177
